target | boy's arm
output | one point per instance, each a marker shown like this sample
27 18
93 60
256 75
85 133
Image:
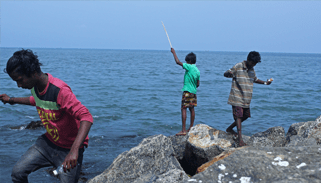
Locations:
228 74
257 80
262 82
198 84
12 100
72 157
68 102
175 57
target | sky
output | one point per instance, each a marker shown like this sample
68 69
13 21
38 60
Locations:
264 26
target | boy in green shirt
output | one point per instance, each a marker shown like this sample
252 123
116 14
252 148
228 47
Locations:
191 82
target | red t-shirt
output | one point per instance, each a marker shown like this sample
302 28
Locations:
60 112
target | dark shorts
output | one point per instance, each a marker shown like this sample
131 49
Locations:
188 100
239 112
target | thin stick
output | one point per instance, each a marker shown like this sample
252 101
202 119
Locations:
167 35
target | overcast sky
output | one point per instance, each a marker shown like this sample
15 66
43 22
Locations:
265 26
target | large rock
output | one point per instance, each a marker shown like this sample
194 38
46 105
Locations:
179 144
212 155
273 137
153 160
264 164
203 143
304 133
33 125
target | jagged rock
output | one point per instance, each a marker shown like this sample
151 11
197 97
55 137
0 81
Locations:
21 127
34 125
153 160
304 133
273 137
173 175
203 144
264 164
179 144
212 155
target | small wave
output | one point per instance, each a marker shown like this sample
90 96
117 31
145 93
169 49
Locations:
30 117
95 116
128 136
134 89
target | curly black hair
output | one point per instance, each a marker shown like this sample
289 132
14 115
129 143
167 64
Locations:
191 57
254 57
23 62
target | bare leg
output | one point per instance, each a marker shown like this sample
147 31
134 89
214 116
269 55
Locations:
230 128
192 110
239 131
183 132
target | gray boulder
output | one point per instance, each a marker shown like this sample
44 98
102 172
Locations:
203 143
304 133
264 164
210 155
33 125
273 137
179 144
153 160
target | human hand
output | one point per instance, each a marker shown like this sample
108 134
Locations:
172 50
228 74
4 98
70 160
269 81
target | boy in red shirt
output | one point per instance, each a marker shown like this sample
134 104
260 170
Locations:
66 120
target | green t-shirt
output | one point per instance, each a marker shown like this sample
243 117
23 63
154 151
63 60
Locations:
192 75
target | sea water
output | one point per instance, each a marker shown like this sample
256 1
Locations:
133 94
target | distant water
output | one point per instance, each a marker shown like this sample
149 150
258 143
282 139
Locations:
133 94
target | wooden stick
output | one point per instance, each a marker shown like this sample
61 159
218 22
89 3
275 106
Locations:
167 35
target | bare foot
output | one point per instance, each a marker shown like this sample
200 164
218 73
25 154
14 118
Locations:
189 129
231 131
241 143
181 133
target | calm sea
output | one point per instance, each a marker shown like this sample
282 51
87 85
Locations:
133 94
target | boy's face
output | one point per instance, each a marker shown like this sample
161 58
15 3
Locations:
23 81
250 64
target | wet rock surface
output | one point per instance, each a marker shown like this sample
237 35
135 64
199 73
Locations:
210 155
33 125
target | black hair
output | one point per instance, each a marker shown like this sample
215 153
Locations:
191 58
254 56
23 62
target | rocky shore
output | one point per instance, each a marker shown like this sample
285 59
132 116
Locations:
208 155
